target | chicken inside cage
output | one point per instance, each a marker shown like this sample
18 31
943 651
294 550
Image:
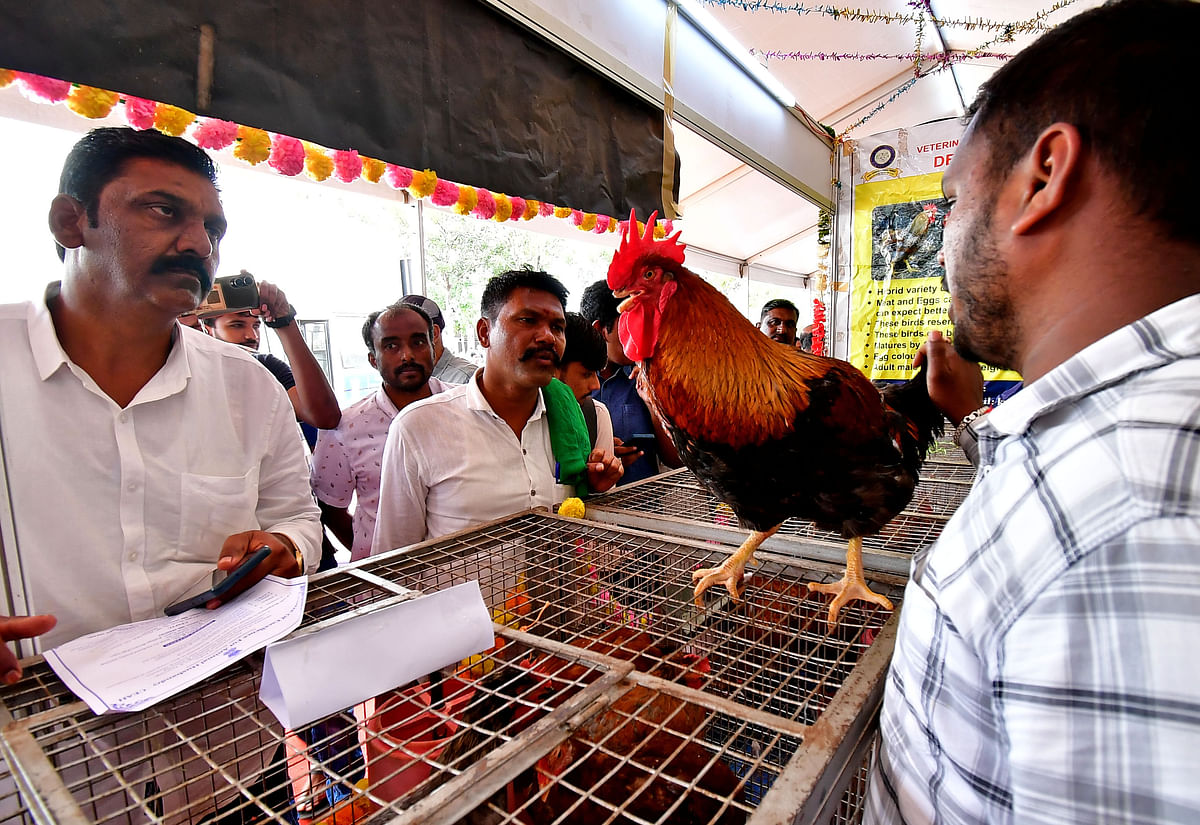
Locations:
606 697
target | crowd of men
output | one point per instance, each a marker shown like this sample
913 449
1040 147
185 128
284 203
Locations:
1045 663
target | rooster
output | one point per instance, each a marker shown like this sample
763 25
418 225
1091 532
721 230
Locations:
773 432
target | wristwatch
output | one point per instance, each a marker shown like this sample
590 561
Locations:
281 322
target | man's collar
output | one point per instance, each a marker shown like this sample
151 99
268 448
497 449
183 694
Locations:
477 401
1162 336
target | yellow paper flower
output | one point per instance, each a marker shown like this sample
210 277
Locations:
503 208
317 164
531 209
7 76
171 120
571 508
373 169
467 200
254 145
562 212
88 100
660 232
589 222
423 183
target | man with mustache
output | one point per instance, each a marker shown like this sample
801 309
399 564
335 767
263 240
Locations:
141 458
778 321
307 387
347 461
482 450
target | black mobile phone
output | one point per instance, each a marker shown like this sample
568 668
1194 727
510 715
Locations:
222 587
643 441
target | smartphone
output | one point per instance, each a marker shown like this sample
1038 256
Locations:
232 293
643 441
222 587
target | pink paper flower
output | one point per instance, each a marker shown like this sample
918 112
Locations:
212 133
546 210
602 222
518 209
43 89
576 217
287 155
398 177
347 165
445 193
139 112
486 206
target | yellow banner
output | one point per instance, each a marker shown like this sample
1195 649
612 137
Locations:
896 293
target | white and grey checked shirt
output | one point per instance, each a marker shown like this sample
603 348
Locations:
1047 668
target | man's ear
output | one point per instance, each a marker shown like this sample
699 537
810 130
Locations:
483 331
67 219
372 360
437 335
1049 172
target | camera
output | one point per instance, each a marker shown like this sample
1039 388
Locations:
234 293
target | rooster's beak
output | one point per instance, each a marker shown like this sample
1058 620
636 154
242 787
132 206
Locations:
628 295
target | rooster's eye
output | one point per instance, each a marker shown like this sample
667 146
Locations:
648 274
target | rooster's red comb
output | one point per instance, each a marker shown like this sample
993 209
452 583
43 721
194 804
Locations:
634 249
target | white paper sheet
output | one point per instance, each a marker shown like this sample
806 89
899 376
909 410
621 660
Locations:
369 654
133 666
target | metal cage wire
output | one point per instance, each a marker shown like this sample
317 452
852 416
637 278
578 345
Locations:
608 697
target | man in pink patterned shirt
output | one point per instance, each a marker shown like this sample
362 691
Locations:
346 462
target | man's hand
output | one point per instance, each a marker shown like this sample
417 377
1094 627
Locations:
628 453
955 384
603 471
281 562
19 627
272 303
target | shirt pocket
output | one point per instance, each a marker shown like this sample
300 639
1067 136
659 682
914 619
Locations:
211 509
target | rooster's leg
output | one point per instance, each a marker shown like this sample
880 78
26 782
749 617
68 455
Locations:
730 572
852 585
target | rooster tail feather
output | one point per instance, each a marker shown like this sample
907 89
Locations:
923 421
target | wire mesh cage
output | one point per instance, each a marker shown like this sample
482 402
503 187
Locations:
677 504
608 696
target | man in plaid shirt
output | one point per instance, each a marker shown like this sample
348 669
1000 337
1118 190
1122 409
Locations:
1047 667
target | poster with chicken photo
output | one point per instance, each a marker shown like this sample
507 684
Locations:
897 292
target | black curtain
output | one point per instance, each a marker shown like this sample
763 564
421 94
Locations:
448 85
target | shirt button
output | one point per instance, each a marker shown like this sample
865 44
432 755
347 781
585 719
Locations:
131 486
533 492
133 556
524 452
123 417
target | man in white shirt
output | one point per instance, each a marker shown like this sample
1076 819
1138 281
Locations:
348 459
482 450
140 455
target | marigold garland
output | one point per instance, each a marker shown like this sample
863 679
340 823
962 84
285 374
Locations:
485 206
171 120
88 101
214 134
373 169
467 200
423 183
139 112
43 89
398 177
317 164
287 155
254 145
445 193
347 165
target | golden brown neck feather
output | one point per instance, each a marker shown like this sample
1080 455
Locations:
716 376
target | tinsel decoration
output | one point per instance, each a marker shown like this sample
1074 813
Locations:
818 330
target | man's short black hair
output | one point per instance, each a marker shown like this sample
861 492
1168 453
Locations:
503 285
1111 72
778 303
98 156
368 329
598 304
584 344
